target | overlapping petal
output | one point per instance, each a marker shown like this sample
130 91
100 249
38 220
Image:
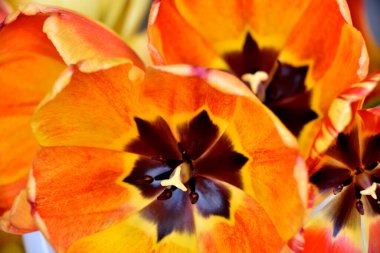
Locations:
87 195
345 173
318 238
30 67
5 9
340 115
153 110
360 19
282 39
189 24
212 234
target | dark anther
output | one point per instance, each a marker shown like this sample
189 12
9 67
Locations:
338 189
360 207
372 166
192 184
166 194
145 180
193 197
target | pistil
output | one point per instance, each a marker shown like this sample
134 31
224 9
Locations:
178 176
371 191
257 82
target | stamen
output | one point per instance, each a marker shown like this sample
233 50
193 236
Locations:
338 189
371 191
193 197
175 179
360 207
166 194
257 82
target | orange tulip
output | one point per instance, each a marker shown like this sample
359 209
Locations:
37 44
5 9
163 159
345 171
125 17
360 20
296 56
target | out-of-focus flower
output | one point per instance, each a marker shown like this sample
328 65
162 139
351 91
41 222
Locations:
10 243
174 159
360 20
125 17
5 9
345 169
36 46
293 56
373 99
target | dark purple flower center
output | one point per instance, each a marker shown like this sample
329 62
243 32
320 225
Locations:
353 175
285 90
184 173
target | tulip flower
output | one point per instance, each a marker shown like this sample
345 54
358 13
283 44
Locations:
37 44
296 56
345 170
5 9
125 17
171 159
10 243
359 12
360 17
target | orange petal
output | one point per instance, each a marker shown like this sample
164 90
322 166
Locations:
9 192
274 156
213 234
176 93
294 33
340 115
318 231
374 243
359 15
29 66
77 38
19 219
248 220
87 99
75 192
17 151
370 120
135 234
191 27
28 70
320 240
167 28
67 120
110 104
346 57
5 9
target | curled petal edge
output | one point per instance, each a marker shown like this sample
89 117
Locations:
341 114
